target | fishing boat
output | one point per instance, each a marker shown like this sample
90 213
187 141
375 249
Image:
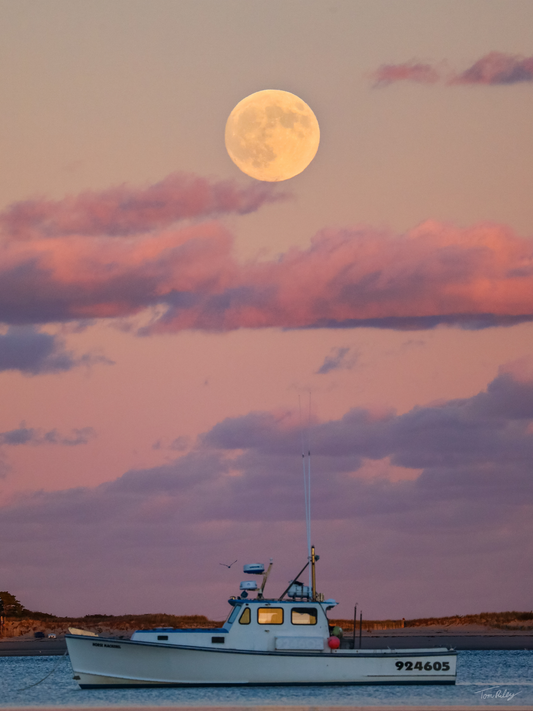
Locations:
285 640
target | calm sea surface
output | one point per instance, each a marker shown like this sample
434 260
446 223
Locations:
484 678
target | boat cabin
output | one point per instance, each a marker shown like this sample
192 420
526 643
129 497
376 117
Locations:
259 625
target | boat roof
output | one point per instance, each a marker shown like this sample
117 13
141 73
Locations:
275 601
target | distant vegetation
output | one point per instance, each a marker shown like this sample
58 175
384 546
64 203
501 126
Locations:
491 619
14 610
143 621
11 607
502 620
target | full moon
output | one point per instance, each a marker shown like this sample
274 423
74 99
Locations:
272 135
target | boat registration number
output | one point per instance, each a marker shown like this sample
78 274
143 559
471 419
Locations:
419 666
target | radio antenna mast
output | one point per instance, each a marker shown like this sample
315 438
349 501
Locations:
308 516
306 464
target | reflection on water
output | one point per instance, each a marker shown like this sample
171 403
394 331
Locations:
484 678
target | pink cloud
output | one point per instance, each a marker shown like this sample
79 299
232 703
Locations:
436 273
497 68
408 71
66 278
433 274
123 210
494 68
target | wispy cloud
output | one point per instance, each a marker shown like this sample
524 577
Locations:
124 210
419 72
179 444
493 69
24 436
33 352
36 437
338 359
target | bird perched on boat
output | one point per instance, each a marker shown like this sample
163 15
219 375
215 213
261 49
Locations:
228 566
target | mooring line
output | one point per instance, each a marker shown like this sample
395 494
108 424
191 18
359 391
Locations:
45 677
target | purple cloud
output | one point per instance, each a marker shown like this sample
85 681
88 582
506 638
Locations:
497 68
462 507
33 352
122 211
346 278
29 435
179 444
338 359
493 69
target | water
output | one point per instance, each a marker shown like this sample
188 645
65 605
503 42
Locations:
483 678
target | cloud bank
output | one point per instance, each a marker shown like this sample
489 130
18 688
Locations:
434 274
493 69
459 507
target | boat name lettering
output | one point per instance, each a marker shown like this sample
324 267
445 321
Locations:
101 644
419 666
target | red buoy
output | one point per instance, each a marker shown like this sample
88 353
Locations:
334 643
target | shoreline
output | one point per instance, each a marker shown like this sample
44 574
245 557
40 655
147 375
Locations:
32 647
407 707
464 642
467 641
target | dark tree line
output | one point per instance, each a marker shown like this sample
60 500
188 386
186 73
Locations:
11 607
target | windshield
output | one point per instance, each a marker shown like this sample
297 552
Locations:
233 614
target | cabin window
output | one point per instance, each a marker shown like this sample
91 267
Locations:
234 614
270 615
245 617
303 615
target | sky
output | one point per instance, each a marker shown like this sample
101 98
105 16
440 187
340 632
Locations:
171 328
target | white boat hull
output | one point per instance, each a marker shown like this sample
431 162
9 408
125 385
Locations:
125 663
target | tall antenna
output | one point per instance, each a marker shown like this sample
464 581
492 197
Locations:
308 514
307 477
